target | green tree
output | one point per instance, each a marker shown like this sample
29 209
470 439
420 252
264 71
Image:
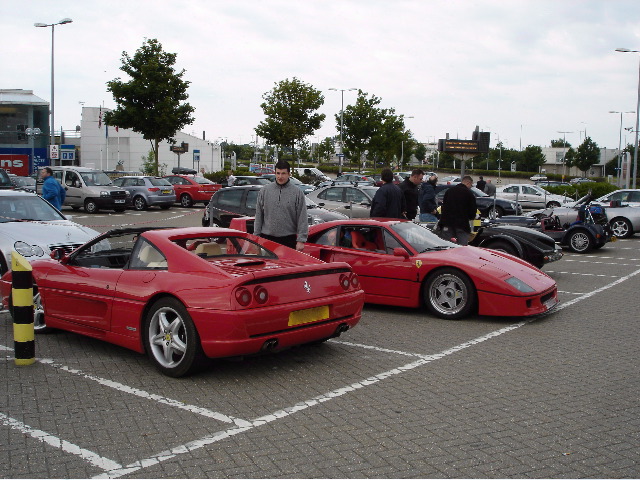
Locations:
569 157
361 122
149 165
420 152
153 101
531 159
588 154
326 149
291 113
560 143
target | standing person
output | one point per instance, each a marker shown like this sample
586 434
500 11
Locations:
388 202
52 191
458 207
490 188
281 211
410 191
428 204
230 179
481 184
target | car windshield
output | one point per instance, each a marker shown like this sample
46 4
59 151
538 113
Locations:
369 191
260 181
26 207
159 182
478 193
97 178
295 181
310 203
420 238
202 180
24 181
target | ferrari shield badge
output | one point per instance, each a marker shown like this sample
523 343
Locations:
418 263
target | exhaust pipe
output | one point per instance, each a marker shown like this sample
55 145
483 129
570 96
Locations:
343 327
269 345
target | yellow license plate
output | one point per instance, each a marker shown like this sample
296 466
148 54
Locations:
308 315
166 191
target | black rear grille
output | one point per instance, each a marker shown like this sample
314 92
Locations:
118 194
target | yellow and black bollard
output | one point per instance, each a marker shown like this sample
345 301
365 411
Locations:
22 298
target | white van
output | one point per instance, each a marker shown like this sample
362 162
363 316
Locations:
312 172
90 189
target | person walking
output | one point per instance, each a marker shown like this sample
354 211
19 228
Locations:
428 204
52 191
410 191
281 211
481 184
458 207
490 188
388 202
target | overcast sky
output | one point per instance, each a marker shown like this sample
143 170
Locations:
522 69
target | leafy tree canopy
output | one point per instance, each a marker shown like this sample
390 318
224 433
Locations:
560 143
588 154
291 114
153 101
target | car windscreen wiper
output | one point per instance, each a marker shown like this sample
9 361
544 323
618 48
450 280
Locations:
439 247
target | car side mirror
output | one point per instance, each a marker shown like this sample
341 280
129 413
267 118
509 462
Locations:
400 252
60 255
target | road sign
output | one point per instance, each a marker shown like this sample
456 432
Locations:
54 152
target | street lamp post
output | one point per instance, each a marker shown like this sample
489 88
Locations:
342 90
564 152
53 26
635 145
619 148
404 129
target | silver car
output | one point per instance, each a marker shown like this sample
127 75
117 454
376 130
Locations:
147 191
531 196
351 200
33 227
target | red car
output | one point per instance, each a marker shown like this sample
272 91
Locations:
192 189
180 294
402 263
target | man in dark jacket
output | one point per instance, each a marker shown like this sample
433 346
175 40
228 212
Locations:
458 207
388 201
410 191
481 184
428 204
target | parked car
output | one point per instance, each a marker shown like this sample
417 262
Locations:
626 196
33 227
250 180
349 178
27 184
552 183
486 205
192 189
377 178
5 181
232 202
450 180
581 180
306 188
313 173
351 200
183 171
404 264
538 177
531 196
183 294
90 189
148 191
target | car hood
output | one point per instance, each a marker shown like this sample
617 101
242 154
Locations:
326 215
47 233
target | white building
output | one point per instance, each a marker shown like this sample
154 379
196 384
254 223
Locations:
554 162
104 147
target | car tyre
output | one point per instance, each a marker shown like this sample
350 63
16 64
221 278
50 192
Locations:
186 201
553 204
503 246
90 206
494 213
580 241
170 337
449 293
621 227
139 203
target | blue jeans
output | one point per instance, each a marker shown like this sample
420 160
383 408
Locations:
428 217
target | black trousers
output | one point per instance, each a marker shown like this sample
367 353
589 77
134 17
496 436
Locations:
287 240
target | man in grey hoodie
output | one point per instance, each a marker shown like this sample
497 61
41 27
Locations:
281 211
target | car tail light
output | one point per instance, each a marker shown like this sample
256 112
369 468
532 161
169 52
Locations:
261 295
154 189
345 281
243 297
355 283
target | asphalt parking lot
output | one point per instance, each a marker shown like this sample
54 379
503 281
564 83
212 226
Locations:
402 395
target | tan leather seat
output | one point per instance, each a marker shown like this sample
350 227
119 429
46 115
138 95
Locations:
209 249
152 258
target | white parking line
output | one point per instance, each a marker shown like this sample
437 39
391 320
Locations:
570 293
584 274
605 263
377 349
91 457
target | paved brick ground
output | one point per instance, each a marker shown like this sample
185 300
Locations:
554 398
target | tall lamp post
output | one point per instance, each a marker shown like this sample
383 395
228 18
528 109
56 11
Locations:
404 129
619 148
635 145
342 90
564 151
53 26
